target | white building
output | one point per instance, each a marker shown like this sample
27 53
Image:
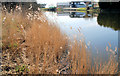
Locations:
63 5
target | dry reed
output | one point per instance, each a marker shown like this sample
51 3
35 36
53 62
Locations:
39 44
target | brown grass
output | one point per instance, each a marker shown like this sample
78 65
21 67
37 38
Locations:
43 42
46 45
39 44
79 59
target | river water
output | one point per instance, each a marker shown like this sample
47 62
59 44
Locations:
98 30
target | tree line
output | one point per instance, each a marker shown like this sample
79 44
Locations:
109 5
24 5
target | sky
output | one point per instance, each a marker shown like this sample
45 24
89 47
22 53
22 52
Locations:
54 2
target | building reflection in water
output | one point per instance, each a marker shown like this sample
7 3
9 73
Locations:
105 19
82 14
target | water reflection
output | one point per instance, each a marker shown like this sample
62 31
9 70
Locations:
82 14
90 30
109 20
106 19
63 13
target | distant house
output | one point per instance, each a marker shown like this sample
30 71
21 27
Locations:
79 4
75 5
63 5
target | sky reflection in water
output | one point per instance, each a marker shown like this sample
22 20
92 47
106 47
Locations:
98 36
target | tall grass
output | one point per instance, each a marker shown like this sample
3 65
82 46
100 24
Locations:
45 44
37 43
81 62
42 42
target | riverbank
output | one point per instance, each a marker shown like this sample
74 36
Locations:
34 45
70 9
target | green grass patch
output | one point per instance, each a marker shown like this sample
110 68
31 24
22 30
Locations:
22 68
81 9
59 9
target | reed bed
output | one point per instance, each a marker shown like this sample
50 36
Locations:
33 45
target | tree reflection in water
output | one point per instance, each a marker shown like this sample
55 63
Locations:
110 20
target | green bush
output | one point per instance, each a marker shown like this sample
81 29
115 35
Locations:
21 69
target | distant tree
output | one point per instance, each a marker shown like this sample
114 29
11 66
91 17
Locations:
109 5
24 5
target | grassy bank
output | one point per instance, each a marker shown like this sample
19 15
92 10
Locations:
31 44
81 9
31 41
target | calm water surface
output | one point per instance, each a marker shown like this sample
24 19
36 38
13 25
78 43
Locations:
98 30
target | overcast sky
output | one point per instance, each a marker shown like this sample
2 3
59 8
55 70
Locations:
53 2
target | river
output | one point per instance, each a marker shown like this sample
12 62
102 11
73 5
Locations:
98 30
